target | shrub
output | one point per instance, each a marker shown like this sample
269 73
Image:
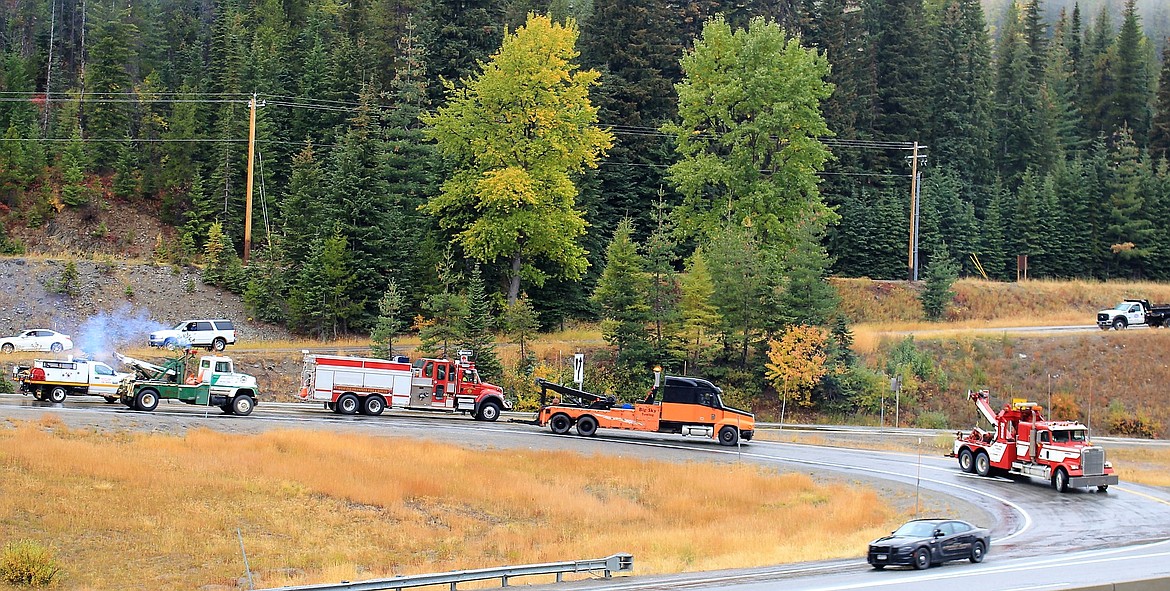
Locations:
932 420
26 563
69 281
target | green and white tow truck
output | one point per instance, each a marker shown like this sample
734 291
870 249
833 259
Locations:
210 380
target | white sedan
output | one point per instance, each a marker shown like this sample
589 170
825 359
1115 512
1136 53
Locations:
38 339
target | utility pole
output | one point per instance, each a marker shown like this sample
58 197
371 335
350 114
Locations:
248 190
911 262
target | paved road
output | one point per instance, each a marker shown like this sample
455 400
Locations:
1041 539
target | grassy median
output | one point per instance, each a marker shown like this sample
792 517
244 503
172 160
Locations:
154 511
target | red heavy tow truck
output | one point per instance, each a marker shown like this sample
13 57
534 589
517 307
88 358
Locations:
1023 442
349 385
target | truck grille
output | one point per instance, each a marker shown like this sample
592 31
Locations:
1093 461
1102 318
879 549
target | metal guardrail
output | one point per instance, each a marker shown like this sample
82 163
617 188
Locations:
618 563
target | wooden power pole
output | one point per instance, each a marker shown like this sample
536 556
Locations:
248 190
911 262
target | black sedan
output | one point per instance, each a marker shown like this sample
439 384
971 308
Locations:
925 542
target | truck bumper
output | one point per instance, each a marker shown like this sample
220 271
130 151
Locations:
1087 481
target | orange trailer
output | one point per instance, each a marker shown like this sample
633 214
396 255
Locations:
683 405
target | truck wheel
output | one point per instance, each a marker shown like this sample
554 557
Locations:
348 404
242 405
982 464
560 424
977 552
921 559
489 411
1119 323
1102 488
7 348
586 426
966 460
226 408
728 435
56 347
146 400
373 405
1060 480
219 344
111 399
57 394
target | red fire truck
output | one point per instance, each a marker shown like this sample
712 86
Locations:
1023 442
350 385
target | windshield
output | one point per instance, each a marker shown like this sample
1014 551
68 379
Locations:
180 326
917 529
1070 435
1123 306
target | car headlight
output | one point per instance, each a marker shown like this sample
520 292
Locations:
904 550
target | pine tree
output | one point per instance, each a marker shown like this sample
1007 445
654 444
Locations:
1160 127
621 295
73 161
521 323
937 293
460 34
701 320
127 178
1019 112
200 211
320 304
267 285
894 27
478 336
1129 104
108 73
806 296
1129 233
447 311
662 291
993 250
390 322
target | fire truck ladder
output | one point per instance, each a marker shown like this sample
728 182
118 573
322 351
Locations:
574 396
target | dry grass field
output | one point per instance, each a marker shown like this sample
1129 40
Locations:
154 511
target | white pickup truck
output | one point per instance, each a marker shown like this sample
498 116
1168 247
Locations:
54 379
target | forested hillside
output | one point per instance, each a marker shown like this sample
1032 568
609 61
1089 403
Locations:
690 179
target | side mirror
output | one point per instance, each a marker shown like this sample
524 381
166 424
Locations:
938 533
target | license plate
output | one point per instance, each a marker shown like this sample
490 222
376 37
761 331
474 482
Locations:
881 557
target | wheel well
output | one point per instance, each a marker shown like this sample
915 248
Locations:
562 414
587 416
251 393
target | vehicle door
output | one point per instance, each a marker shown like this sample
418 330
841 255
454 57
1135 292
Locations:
29 340
443 384
199 333
1135 314
947 543
964 539
103 380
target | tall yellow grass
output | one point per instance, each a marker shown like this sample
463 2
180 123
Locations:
151 511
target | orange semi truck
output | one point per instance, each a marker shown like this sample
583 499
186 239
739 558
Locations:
683 405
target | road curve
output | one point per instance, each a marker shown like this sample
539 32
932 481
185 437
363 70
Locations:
1046 539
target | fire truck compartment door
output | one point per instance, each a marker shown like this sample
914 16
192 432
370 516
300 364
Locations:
420 393
323 389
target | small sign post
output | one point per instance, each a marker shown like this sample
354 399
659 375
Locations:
579 369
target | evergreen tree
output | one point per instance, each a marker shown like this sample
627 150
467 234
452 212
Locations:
937 293
200 212
319 302
73 161
662 291
1129 104
993 252
521 324
267 285
1019 112
745 274
806 296
621 295
304 211
894 28
447 310
1128 233
127 179
1160 126
108 77
461 34
701 320
390 322
478 336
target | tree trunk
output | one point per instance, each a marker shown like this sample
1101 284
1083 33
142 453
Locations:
514 280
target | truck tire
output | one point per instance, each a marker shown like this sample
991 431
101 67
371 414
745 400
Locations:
921 559
38 394
966 460
560 424
586 426
1119 323
57 394
218 344
373 405
111 399
977 551
348 404
488 411
146 399
728 435
1060 480
242 405
982 464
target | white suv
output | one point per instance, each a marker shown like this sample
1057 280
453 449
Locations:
214 334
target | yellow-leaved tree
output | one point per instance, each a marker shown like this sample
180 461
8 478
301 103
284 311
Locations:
796 362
